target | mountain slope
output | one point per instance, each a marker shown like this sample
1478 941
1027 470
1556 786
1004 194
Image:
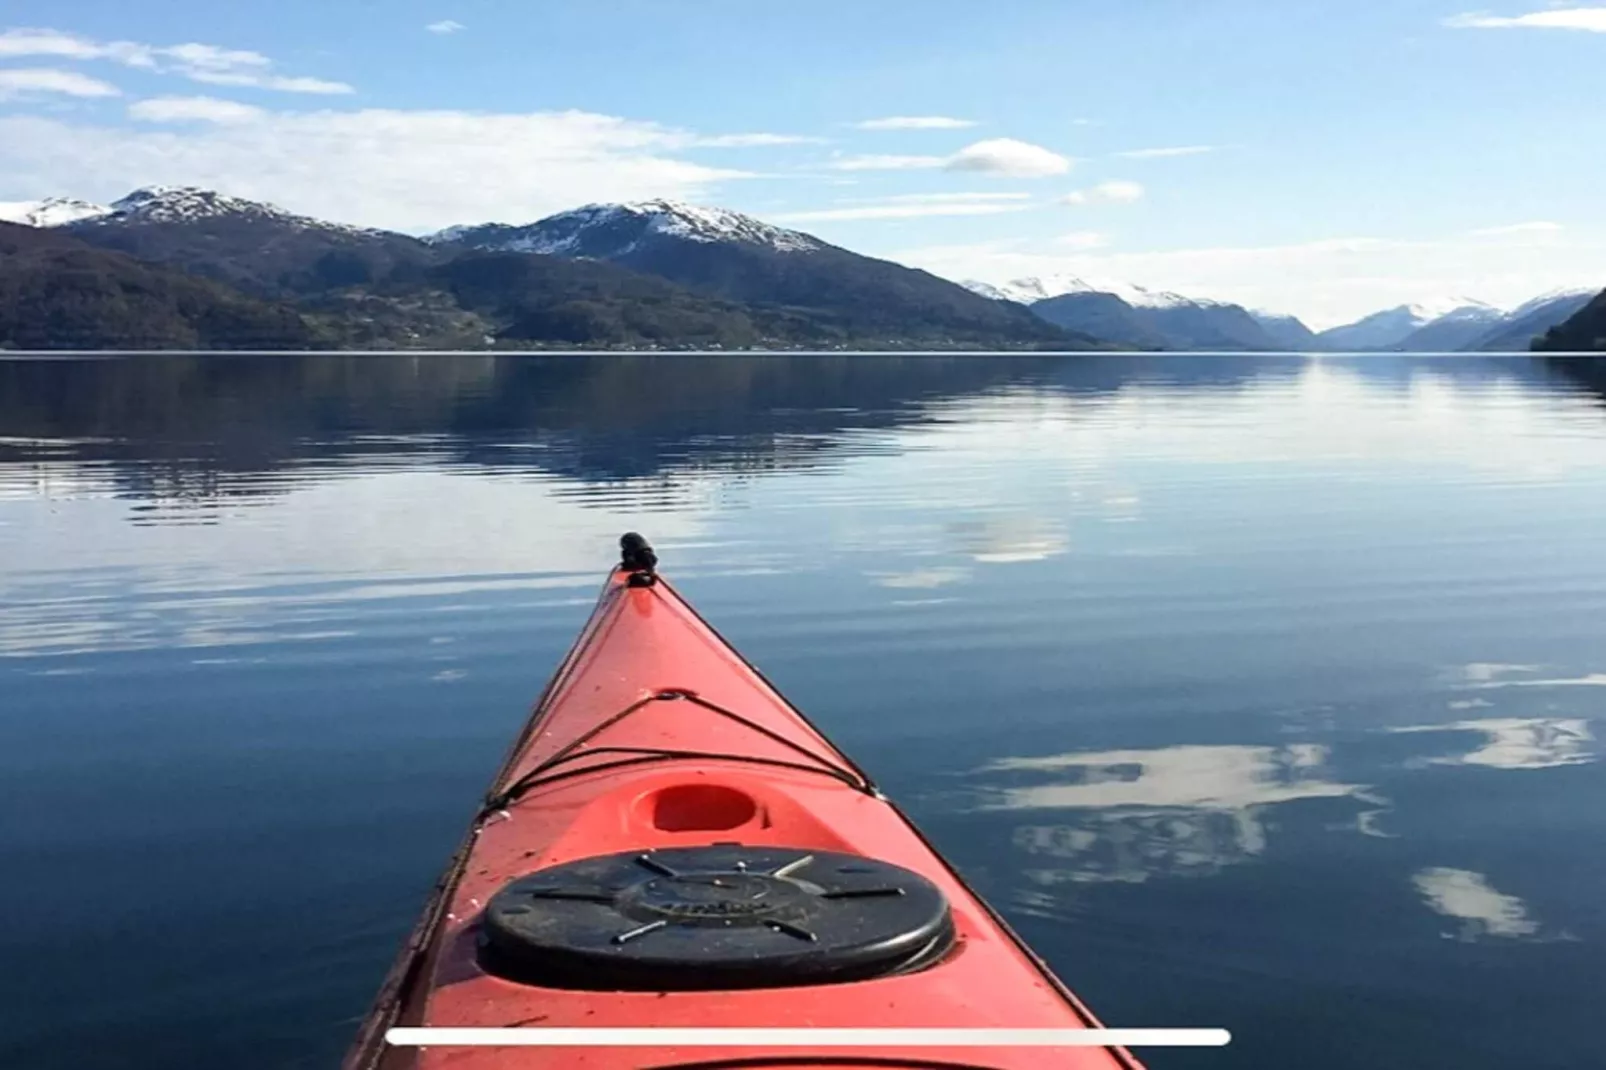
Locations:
256 247
1135 316
1102 315
56 292
1286 332
1385 329
1454 331
1516 332
1583 332
738 258
547 299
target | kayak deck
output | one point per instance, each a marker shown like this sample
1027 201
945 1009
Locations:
657 748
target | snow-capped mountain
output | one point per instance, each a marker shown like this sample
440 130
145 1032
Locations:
613 231
1453 331
736 257
50 212
1032 289
1391 327
1148 319
1518 328
192 204
258 247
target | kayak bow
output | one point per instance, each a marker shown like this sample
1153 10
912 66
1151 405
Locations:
671 844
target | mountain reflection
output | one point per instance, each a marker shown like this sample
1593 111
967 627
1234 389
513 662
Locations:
208 428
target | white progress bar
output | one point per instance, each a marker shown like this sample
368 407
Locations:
536 1037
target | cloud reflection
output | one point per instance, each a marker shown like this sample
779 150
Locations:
1466 896
1517 742
1176 811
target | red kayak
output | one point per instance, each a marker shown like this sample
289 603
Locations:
671 844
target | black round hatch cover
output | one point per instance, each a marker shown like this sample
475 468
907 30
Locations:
716 917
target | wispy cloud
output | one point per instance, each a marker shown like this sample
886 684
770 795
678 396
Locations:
1082 239
194 109
997 156
886 162
23 42
256 80
742 141
29 81
915 122
1538 226
445 26
1163 153
938 198
211 64
1589 19
1118 192
907 210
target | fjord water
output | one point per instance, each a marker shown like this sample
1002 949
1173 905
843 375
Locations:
1258 692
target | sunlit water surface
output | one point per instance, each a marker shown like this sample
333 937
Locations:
1258 692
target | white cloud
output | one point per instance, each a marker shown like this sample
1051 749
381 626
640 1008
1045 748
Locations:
937 198
194 109
886 163
211 64
1082 239
445 26
68 46
915 122
26 81
1536 227
997 156
1006 156
1157 154
257 80
742 141
1118 192
1589 19
906 210
405 170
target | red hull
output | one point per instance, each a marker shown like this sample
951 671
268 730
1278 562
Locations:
707 753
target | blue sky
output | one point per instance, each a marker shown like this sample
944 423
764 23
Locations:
1344 157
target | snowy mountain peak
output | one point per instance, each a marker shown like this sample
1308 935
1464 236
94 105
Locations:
613 230
1460 307
50 212
1563 294
191 204
678 219
1040 288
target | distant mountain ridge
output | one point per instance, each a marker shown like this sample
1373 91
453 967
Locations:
1146 319
652 273
726 279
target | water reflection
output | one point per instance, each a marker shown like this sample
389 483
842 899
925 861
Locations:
1467 897
1516 742
1168 619
1172 811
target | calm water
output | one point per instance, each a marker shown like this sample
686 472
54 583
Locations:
1262 692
